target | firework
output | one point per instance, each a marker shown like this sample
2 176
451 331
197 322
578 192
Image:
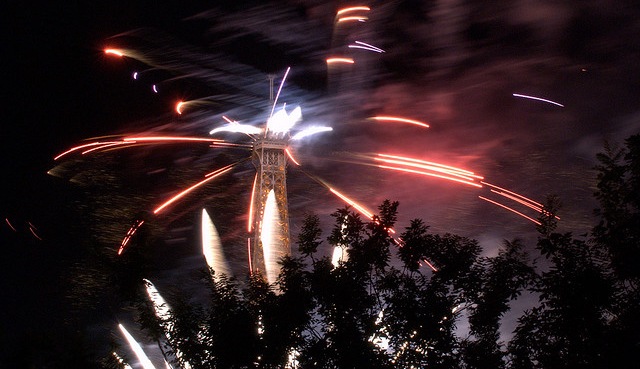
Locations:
538 99
212 246
365 46
340 60
401 120
137 349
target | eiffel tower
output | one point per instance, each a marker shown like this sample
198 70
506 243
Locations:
270 223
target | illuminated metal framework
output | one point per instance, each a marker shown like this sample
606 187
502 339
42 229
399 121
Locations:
270 161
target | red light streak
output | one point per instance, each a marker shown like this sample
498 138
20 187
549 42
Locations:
358 207
179 106
249 253
514 194
131 140
134 228
115 52
76 148
432 175
253 193
170 138
400 119
428 167
462 171
340 60
105 146
186 191
291 157
523 202
229 144
353 9
430 265
510 209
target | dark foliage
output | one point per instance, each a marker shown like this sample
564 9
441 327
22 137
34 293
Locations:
382 307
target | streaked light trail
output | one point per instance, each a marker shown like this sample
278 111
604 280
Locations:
510 209
183 193
179 106
354 18
357 206
401 120
340 60
212 246
539 99
115 52
363 46
134 228
290 155
352 9
275 101
135 346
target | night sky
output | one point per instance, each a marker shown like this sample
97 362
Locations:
454 64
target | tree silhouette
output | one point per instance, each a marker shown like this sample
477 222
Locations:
381 307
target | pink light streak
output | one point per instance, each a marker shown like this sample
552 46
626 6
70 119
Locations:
539 99
278 94
510 209
9 224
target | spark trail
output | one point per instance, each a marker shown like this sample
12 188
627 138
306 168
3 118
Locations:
538 99
137 349
212 246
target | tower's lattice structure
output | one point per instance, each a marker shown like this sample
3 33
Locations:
270 161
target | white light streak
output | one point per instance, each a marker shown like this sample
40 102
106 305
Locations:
270 237
237 128
212 246
539 99
279 89
310 131
365 46
163 312
135 346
